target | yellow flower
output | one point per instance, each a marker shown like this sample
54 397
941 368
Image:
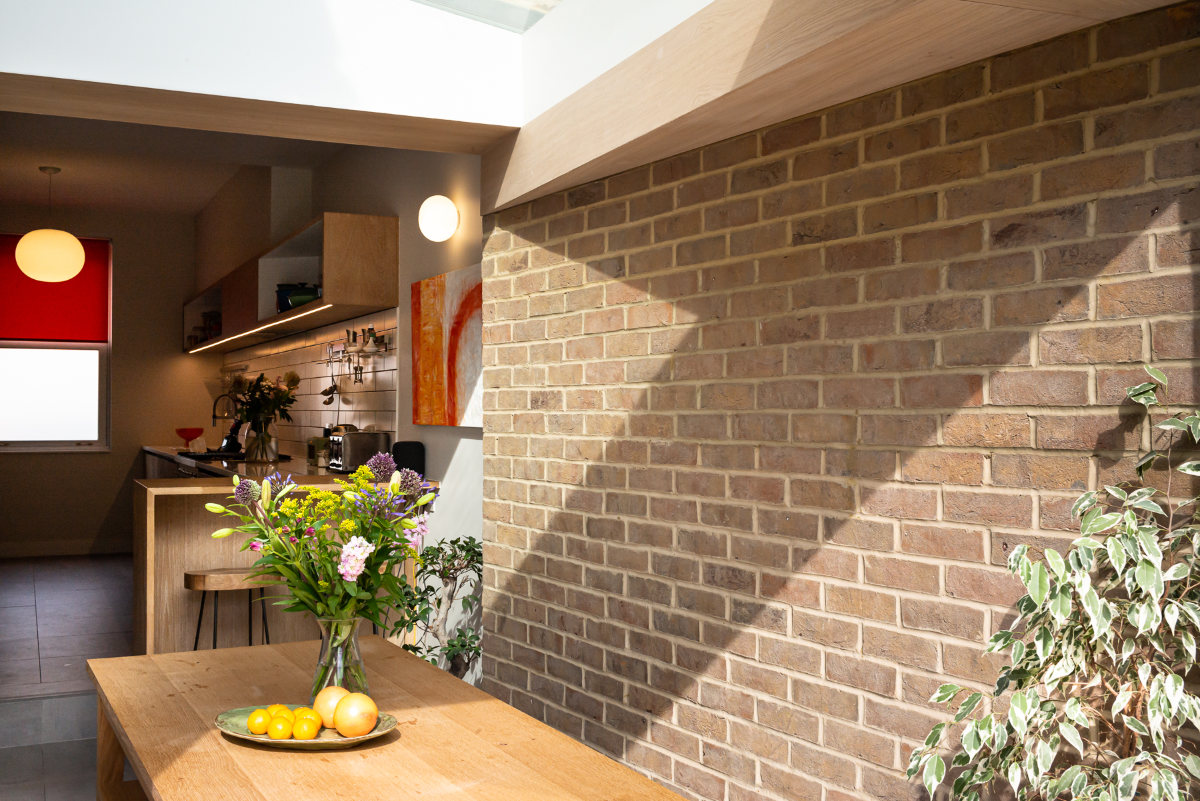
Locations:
348 526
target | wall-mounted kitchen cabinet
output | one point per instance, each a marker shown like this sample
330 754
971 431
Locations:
353 258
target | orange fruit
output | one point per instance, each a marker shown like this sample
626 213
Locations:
257 722
280 728
326 702
285 713
305 712
355 715
274 709
306 728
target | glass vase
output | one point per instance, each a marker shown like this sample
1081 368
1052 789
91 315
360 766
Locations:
261 443
340 663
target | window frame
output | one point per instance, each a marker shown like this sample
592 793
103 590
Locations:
103 441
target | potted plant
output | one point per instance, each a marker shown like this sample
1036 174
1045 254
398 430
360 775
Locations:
1095 690
260 403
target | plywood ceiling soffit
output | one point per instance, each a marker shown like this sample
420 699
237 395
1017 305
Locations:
32 94
738 65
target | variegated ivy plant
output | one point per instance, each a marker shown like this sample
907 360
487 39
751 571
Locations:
1097 704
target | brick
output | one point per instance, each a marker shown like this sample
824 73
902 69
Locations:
822 764
991 117
1039 387
1116 431
909 282
835 632
1159 295
873 535
1174 206
832 562
823 428
1094 175
1010 269
940 466
972 663
872 677
856 463
899 429
941 167
759 176
900 213
729 214
1178 70
1037 306
1177 160
903 140
821 161
942 391
942 243
1041 61
987 430
943 315
869 112
953 620
790 459
858 393
1136 34
676 168
1174 339
1091 345
988 586
899 502
1096 257
698 251
791 200
835 291
824 227
941 542
861 184
1037 227
865 323
860 255
730 151
941 90
986 197
787 395
820 358
855 742
861 603
822 494
1096 89
1037 145
1040 471
901 574
987 507
786 330
904 649
898 720
897 355
986 349
786 784
791 135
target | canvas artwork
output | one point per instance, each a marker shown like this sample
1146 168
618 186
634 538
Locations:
447 349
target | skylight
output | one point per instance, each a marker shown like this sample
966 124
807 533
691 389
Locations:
512 15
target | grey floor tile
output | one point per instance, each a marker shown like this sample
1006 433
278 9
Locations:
20 765
45 689
71 788
22 722
15 594
93 645
20 671
14 617
18 648
73 626
28 791
69 717
70 758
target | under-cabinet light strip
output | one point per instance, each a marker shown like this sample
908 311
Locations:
261 328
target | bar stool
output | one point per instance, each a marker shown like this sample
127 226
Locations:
219 580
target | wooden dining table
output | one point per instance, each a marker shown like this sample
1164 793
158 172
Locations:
453 741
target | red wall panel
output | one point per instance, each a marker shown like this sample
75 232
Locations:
68 311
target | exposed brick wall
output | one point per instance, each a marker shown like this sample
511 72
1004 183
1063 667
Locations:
763 420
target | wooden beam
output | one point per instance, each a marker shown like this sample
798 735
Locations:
738 65
32 94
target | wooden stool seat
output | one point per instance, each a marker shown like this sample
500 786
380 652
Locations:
222 579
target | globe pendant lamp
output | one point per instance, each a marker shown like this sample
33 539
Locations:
48 254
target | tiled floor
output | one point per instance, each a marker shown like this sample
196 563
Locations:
55 614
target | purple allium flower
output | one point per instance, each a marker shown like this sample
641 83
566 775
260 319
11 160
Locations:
382 466
411 482
247 492
255 546
354 558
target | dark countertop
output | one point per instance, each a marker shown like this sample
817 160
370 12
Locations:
298 468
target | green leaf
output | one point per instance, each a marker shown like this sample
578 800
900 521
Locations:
1086 501
1038 583
1099 523
968 706
1043 642
1071 735
1192 763
1177 571
1149 578
1156 374
1172 424
1060 603
1135 725
1045 757
1121 701
944 693
935 771
1116 553
935 735
971 741
1191 468
1056 562
1143 464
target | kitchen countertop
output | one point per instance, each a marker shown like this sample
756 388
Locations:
299 469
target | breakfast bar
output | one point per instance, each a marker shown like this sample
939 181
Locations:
453 741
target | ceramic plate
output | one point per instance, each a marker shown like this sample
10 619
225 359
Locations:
233 723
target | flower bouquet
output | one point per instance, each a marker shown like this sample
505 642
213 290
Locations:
340 554
260 403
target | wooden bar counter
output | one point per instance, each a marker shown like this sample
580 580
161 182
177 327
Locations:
172 534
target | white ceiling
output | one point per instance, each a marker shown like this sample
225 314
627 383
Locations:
112 165
511 15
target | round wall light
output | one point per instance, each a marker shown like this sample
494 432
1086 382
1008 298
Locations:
438 218
47 254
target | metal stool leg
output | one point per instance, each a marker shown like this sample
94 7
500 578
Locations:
199 620
216 602
262 600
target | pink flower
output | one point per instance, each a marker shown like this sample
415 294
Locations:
293 539
256 546
354 558
286 529
310 531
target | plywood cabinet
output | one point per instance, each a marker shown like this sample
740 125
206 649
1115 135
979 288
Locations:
354 258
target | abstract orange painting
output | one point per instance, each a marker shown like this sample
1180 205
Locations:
447 349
